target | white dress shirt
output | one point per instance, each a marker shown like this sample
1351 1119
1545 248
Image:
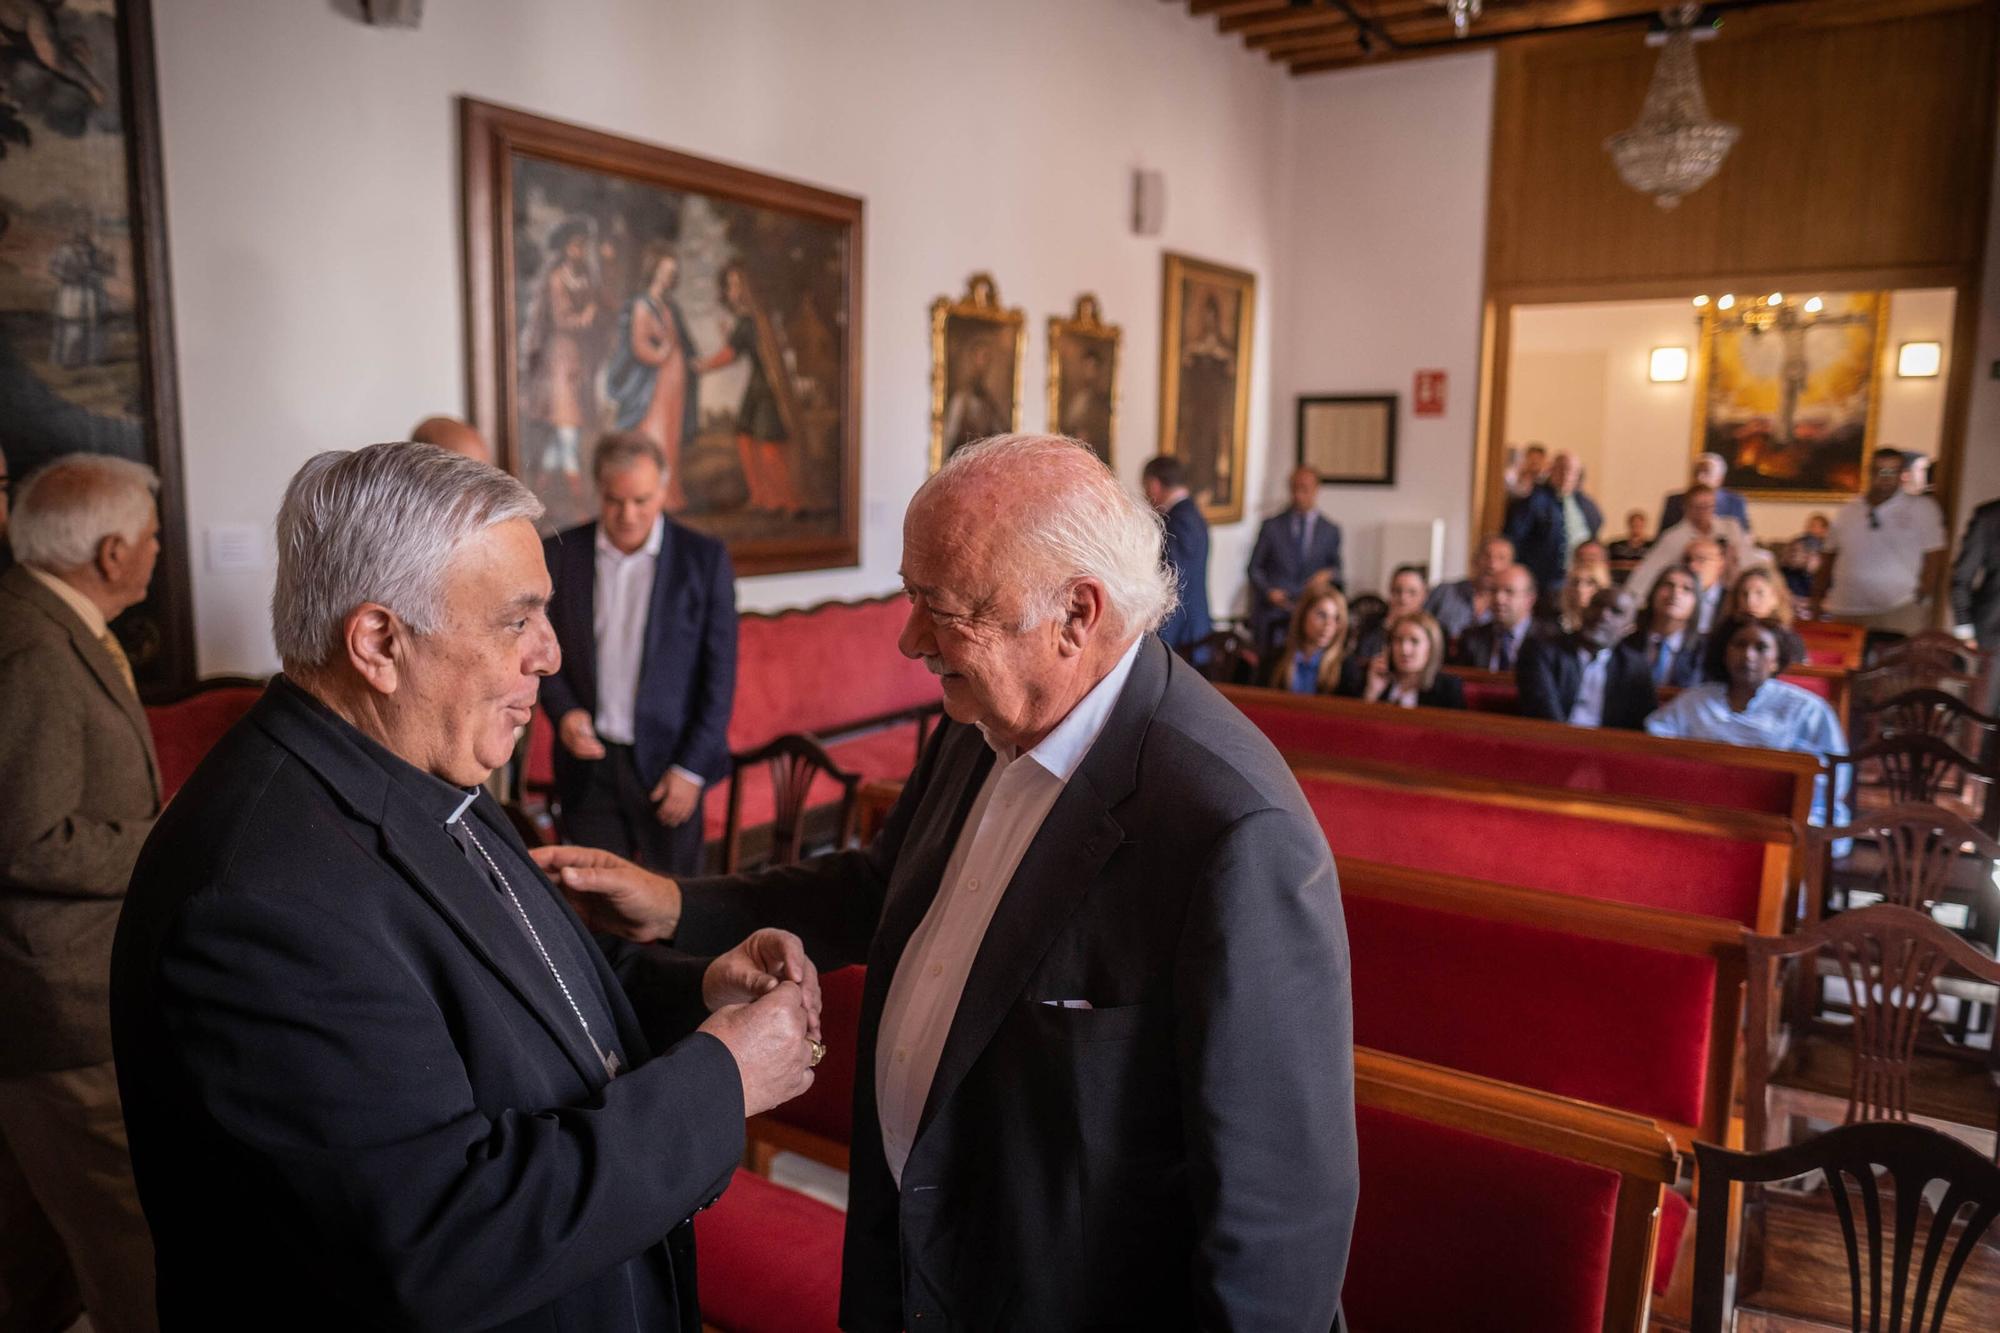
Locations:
624 597
1006 815
1881 553
1588 710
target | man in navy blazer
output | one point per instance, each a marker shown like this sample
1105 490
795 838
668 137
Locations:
1553 520
1165 483
1709 470
1291 548
645 611
376 1073
1585 678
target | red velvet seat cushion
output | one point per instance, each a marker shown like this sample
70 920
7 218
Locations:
184 732
827 1107
1602 1021
1396 736
768 1260
1704 874
1457 1231
820 670
1674 1211
1819 685
1491 696
889 755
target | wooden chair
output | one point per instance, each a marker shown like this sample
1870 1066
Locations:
1891 959
1920 854
1925 770
1226 657
796 763
1928 712
1916 1261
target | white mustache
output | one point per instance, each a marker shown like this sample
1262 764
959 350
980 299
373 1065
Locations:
934 665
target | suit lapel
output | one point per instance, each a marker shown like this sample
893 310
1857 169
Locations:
661 624
579 610
1054 877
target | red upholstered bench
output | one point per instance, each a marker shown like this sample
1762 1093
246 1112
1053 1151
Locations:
1492 1207
1531 750
1488 691
186 729
833 672
819 1123
1729 864
768 1260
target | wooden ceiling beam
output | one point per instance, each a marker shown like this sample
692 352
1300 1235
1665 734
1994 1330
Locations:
1267 24
1437 35
1225 10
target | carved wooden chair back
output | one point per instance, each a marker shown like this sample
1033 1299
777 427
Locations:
1929 712
1226 657
1918 845
1925 769
1893 1248
795 762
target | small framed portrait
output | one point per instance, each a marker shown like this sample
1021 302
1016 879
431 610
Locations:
1083 376
1349 439
975 368
1209 312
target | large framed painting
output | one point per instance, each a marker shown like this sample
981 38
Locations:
614 286
976 348
1083 376
86 348
1208 313
1787 393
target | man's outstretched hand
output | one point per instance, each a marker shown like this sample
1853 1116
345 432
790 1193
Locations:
757 967
613 896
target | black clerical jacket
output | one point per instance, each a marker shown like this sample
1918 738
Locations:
1178 1155
356 1097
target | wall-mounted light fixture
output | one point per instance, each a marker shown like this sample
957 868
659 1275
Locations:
1919 361
1668 365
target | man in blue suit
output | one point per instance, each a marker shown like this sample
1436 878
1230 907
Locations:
645 612
1291 548
1551 522
1164 482
1709 470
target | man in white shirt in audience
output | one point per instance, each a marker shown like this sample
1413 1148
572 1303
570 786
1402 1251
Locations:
1104 1076
1885 552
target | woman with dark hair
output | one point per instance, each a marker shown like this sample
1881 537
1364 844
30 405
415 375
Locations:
1409 671
1316 645
1743 702
1664 634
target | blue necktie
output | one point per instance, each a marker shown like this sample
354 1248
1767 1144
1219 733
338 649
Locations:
1663 662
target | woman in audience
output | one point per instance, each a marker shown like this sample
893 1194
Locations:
1408 672
1587 578
1744 703
1316 645
1758 595
1408 589
1664 635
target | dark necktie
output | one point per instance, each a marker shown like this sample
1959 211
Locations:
1301 525
1503 651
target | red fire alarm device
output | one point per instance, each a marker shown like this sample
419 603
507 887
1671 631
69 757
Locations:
1429 393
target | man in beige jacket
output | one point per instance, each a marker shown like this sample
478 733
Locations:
82 790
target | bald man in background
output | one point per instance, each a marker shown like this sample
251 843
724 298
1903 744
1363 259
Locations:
453 434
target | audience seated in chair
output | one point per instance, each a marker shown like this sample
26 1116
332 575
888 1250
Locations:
1743 702
1586 579
1408 671
1315 645
1463 603
1495 645
1635 543
1664 635
1759 593
1580 678
1408 589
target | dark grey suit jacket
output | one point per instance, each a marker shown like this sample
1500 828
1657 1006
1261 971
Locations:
1975 576
1179 1155
81 789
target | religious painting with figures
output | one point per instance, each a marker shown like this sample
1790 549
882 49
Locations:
975 368
85 350
1209 311
1083 376
1786 391
710 308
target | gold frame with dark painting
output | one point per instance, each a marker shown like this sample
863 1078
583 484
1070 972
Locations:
976 352
1083 376
86 326
615 285
1208 314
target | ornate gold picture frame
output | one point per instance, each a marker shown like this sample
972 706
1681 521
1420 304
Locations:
1208 312
1789 393
976 349
1083 376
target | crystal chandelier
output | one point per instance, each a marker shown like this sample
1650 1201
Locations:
1462 13
1675 147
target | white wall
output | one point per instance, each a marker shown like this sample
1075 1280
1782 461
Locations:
1635 436
312 186
1381 277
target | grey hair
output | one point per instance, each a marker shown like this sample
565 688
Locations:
615 453
379 524
1086 526
68 507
